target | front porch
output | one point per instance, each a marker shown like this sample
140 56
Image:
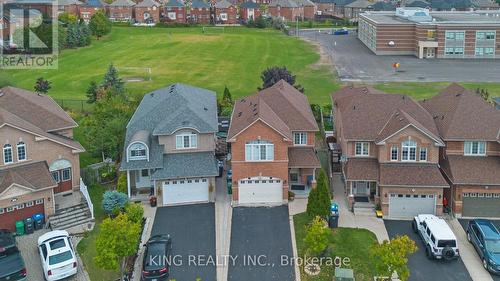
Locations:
301 181
140 185
362 193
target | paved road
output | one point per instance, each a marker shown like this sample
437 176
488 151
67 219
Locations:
265 233
355 62
421 268
465 222
192 228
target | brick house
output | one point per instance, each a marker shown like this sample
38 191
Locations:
175 11
147 11
288 10
390 152
88 9
272 136
39 157
121 10
225 12
326 7
199 12
470 160
249 10
308 9
69 6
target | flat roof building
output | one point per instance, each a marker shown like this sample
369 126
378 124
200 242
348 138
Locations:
426 34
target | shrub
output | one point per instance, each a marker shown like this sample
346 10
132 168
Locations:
393 256
114 201
316 238
134 212
122 183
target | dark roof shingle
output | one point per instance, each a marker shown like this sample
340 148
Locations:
34 176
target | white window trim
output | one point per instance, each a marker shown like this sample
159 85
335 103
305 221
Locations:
397 153
420 154
191 137
133 158
469 153
62 174
302 137
364 153
58 176
5 148
409 147
23 145
249 158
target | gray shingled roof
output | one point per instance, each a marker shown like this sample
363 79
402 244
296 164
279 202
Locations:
174 3
122 3
187 165
223 4
69 2
199 4
283 3
250 5
148 3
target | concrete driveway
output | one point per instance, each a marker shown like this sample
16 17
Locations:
355 62
192 228
464 223
259 237
421 268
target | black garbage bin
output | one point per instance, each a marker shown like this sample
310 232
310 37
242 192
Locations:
38 220
333 220
28 226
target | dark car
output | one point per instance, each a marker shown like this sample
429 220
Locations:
12 266
156 261
486 239
342 31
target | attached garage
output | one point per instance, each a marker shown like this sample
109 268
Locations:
480 204
410 205
20 211
185 191
260 190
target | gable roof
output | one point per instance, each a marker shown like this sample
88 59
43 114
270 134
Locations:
122 3
223 4
94 3
69 2
199 4
360 4
250 5
172 3
366 111
283 3
450 4
418 4
383 6
151 3
472 170
461 114
281 106
305 3
34 176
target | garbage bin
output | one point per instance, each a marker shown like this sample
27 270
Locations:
229 187
334 208
333 220
39 220
20 227
28 226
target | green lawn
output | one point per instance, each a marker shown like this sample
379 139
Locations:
234 58
86 248
344 242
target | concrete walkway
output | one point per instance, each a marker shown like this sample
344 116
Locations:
348 219
149 214
223 218
468 254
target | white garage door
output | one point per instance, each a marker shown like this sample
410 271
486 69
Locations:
185 191
410 205
260 190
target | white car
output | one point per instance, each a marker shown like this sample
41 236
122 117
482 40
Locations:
440 241
57 254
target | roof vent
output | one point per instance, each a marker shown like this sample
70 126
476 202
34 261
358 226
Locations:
206 109
185 122
243 100
459 94
435 117
354 107
251 103
152 94
239 114
397 113
442 117
255 114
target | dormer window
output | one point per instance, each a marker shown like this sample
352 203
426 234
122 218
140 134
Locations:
7 154
300 138
186 141
475 148
409 151
137 151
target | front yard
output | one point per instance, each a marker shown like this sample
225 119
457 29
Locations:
343 242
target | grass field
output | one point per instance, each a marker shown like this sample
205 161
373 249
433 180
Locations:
234 58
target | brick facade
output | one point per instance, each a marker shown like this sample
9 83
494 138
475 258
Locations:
175 14
246 14
230 14
200 15
154 14
386 191
120 13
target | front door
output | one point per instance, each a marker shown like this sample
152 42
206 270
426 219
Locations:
362 188
430 53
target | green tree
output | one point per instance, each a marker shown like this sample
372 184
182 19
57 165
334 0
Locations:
117 240
483 93
72 38
121 186
42 86
114 202
99 24
316 238
92 91
84 35
134 212
318 203
67 18
226 97
260 22
272 75
112 82
392 256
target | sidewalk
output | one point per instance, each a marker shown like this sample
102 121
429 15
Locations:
348 219
149 214
223 216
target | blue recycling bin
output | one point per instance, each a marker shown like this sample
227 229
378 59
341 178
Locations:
334 208
39 220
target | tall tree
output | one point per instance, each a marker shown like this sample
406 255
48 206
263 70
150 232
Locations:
112 82
226 97
319 200
99 24
272 75
42 86
390 257
92 91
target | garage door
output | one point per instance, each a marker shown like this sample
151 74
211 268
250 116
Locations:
185 191
11 214
481 204
260 190
410 205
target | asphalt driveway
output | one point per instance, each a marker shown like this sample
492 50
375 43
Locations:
465 223
259 238
192 228
421 268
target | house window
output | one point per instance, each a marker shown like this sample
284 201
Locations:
475 148
300 138
394 153
66 174
455 35
2 210
30 204
430 34
137 151
423 154
7 154
362 149
294 177
409 151
21 151
55 176
259 151
485 35
145 173
186 141
39 201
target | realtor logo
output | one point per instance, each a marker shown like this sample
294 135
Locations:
28 33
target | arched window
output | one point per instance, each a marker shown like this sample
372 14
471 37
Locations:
409 151
21 151
137 151
259 150
7 154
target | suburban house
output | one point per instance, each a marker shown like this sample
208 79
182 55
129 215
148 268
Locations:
470 161
147 11
175 11
308 8
69 6
272 137
89 8
354 9
169 146
121 10
326 7
225 12
249 10
199 12
390 152
286 9
39 157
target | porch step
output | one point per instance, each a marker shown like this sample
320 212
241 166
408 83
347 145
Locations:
364 211
77 207
71 216
364 205
71 224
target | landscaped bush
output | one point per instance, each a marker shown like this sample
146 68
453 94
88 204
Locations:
122 183
174 24
107 173
134 212
113 202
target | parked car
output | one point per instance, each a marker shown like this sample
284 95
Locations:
12 266
155 264
440 242
57 255
342 31
486 239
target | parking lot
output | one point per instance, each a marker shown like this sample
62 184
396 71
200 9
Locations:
353 61
421 268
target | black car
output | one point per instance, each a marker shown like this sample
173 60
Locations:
157 256
12 266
